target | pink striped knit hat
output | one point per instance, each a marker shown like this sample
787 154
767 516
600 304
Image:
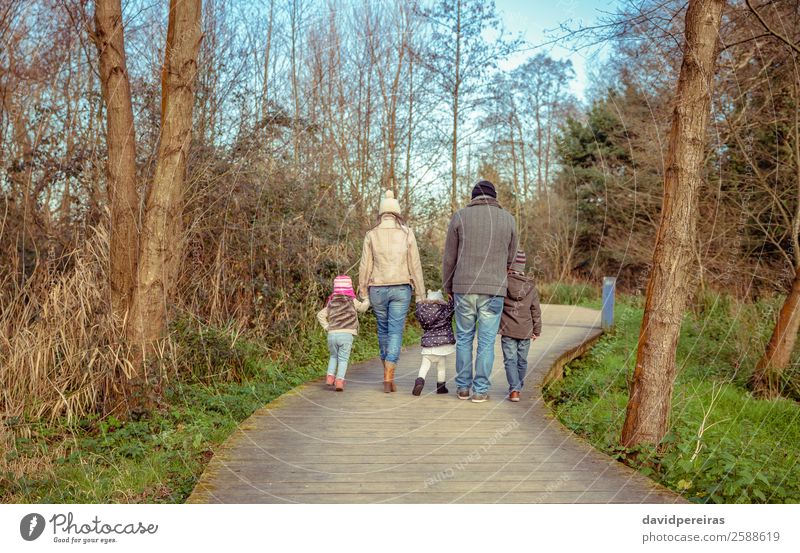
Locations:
343 284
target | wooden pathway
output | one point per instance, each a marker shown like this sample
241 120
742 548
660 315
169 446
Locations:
314 445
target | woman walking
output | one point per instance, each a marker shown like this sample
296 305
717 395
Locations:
390 269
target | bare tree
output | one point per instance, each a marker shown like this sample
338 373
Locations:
784 202
123 196
161 237
668 288
460 56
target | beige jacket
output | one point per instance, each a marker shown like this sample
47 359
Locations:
389 257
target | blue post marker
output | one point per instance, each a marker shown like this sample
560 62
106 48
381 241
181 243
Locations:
607 320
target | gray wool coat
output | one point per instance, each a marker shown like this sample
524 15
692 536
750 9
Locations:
481 244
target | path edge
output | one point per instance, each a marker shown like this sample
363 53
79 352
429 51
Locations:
555 373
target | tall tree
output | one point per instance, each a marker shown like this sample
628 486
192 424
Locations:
669 288
779 178
123 197
460 56
161 237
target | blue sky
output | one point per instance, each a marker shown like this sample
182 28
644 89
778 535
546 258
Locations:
534 18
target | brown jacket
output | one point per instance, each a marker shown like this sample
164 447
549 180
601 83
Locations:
341 314
522 315
390 256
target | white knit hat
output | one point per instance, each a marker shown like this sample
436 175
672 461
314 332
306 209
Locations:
389 204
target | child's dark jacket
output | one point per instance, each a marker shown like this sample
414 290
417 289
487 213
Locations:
436 320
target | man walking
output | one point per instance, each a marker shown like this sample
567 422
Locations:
481 244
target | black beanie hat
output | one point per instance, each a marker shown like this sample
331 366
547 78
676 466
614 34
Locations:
484 188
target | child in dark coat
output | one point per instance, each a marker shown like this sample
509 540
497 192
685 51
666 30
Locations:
520 323
435 316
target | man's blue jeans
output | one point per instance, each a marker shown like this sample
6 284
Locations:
481 311
390 304
515 359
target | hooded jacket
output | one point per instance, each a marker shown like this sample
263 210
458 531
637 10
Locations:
522 315
436 320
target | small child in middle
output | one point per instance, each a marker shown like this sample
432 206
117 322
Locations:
435 316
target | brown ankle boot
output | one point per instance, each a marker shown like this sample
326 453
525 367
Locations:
389 378
387 386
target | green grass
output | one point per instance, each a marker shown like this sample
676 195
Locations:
747 451
159 460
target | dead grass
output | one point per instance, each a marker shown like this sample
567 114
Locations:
58 343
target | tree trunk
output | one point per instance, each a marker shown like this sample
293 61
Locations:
265 78
161 238
410 127
766 378
765 381
456 83
121 143
295 92
669 284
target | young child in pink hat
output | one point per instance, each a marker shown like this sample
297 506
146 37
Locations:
339 318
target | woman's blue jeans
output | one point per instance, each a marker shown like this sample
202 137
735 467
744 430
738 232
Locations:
390 304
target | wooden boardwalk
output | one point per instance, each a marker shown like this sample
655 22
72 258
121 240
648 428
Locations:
314 445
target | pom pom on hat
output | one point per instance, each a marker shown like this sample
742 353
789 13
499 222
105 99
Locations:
519 262
389 204
435 295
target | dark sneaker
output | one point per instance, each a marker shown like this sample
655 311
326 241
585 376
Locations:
419 383
463 393
513 396
480 398
441 388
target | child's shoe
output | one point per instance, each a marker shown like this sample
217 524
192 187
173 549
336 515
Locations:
419 383
329 379
440 388
340 384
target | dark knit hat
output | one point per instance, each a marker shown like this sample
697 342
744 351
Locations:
484 188
519 262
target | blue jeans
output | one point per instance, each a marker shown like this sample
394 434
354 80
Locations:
390 304
481 311
515 359
339 345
